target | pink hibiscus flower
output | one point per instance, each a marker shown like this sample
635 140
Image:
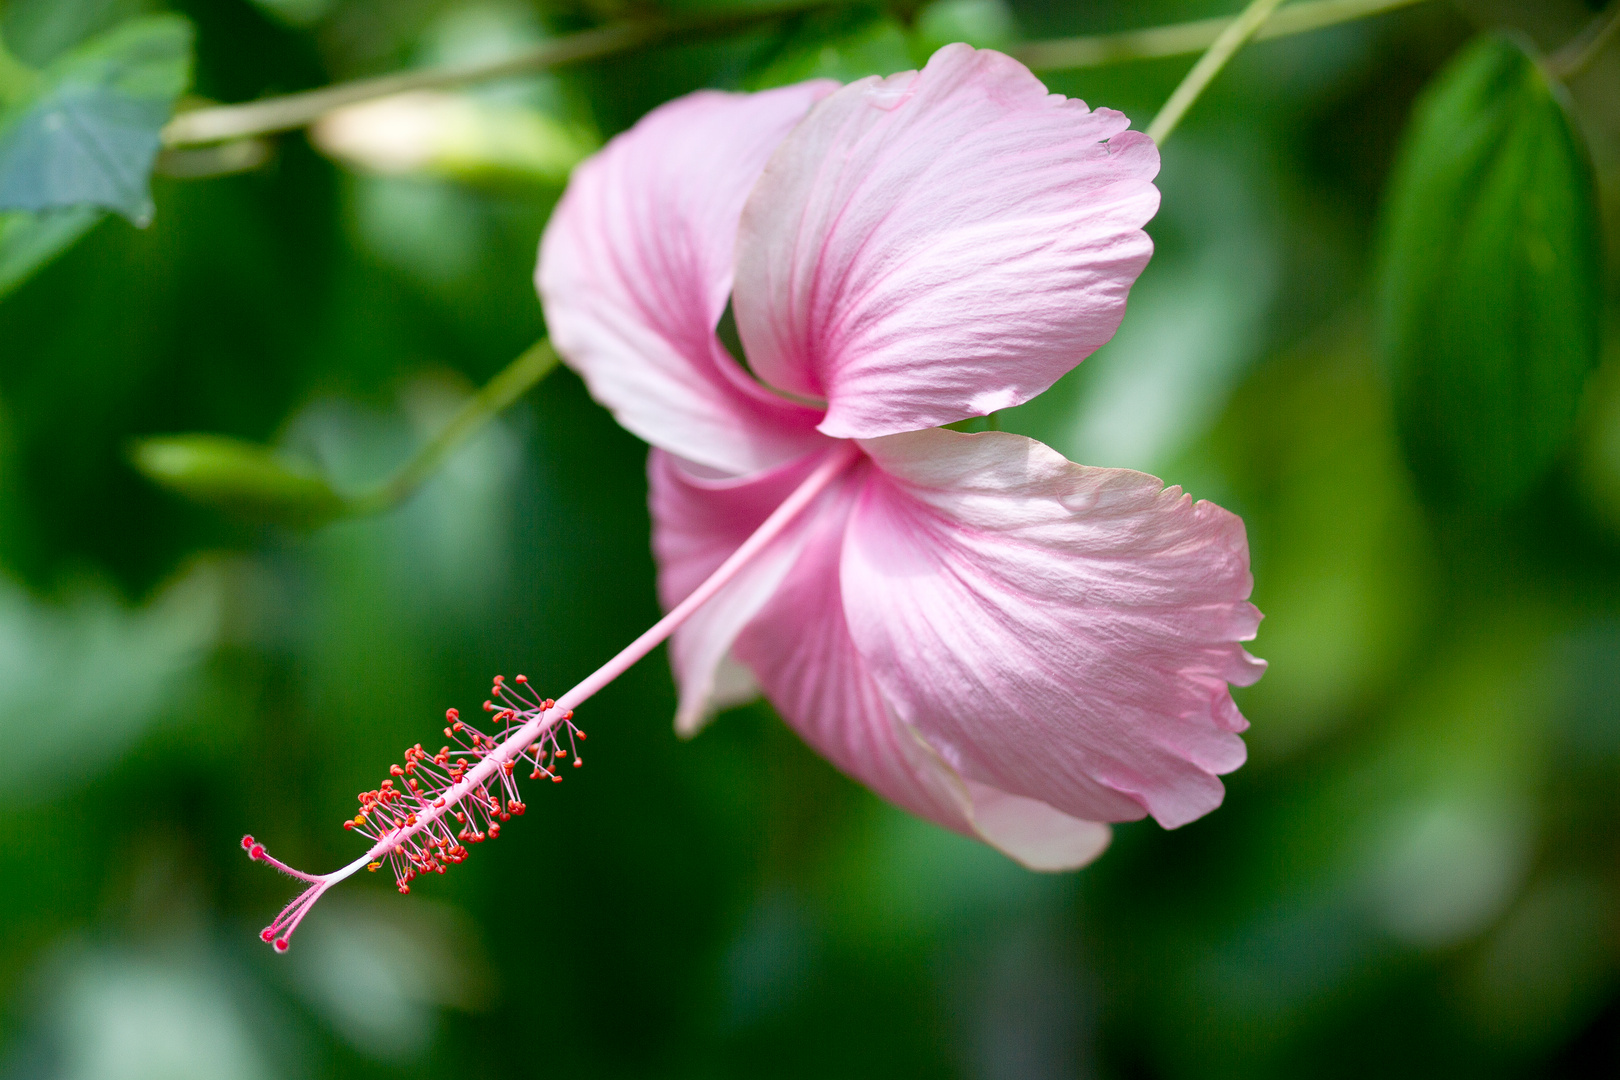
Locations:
1014 646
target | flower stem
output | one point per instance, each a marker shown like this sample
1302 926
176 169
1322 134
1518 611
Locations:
1179 39
1233 38
515 380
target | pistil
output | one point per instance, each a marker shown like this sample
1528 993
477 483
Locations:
472 784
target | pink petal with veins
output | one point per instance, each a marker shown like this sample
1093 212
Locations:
1059 632
636 268
940 244
800 650
797 643
698 522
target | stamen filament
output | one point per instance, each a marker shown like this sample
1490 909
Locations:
541 718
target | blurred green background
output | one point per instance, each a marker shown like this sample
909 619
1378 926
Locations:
1417 874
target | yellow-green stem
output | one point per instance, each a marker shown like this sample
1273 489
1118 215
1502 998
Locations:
1233 38
1179 39
221 122
515 380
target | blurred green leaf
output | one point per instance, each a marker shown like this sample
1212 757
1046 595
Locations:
38 31
379 972
1343 567
119 1014
89 133
246 478
296 12
29 241
984 24
1491 278
844 44
58 661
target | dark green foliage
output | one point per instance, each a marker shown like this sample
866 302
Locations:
1491 286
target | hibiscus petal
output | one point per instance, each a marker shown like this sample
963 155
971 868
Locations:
1061 633
941 244
812 672
1033 833
636 267
800 650
697 523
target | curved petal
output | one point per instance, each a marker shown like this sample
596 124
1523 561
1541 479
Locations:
799 648
796 638
1032 832
697 523
1062 633
941 244
636 267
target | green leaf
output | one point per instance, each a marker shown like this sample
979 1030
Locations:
17 80
1490 280
89 132
29 241
55 659
248 479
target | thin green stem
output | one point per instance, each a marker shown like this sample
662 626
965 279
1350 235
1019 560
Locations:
1178 39
218 123
1233 38
1573 58
292 111
515 380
